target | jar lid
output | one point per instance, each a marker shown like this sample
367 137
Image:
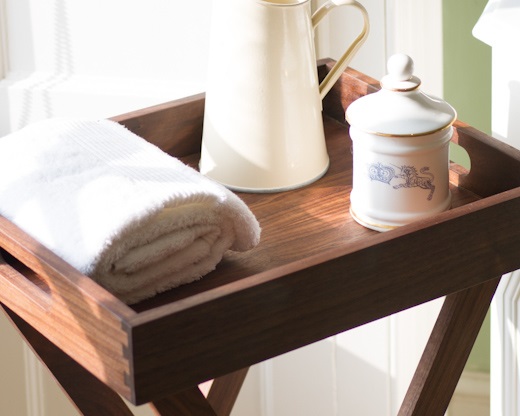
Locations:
400 108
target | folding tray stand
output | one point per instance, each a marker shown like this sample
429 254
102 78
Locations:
315 273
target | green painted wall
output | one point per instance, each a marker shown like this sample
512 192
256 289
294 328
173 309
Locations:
467 63
467 87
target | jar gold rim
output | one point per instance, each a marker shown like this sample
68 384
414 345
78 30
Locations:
275 3
427 133
413 88
372 224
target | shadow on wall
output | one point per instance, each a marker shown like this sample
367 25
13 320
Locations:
31 96
328 378
13 32
24 43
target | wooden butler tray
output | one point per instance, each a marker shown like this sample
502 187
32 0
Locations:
315 273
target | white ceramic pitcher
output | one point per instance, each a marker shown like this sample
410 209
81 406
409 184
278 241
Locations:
263 129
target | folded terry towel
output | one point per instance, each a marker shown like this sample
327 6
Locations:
117 208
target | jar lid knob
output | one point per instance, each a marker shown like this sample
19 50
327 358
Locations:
400 74
400 67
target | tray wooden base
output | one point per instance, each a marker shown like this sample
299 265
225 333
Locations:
315 273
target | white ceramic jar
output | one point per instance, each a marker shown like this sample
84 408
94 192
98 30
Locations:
400 141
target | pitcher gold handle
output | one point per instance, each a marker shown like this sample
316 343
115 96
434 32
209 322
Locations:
342 62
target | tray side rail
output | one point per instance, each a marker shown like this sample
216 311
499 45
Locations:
265 315
175 126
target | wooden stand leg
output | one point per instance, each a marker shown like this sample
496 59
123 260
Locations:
93 398
447 351
188 402
218 401
90 396
224 391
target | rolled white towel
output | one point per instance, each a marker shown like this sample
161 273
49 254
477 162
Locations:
118 208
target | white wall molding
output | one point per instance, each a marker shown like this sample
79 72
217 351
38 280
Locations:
3 40
415 28
266 388
505 347
35 392
406 26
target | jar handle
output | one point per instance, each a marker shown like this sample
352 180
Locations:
343 62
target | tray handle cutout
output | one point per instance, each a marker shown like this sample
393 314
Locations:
460 157
494 164
28 284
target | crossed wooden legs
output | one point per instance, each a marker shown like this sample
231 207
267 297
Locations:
87 393
447 350
429 394
218 400
93 398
